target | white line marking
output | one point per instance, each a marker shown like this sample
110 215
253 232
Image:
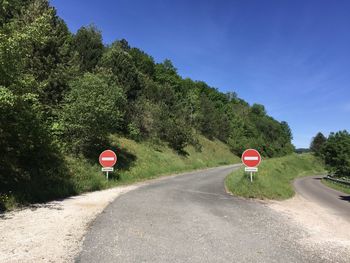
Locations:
251 158
107 158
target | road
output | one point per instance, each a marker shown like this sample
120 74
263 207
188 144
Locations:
312 189
190 218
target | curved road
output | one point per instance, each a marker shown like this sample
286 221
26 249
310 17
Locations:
312 189
190 218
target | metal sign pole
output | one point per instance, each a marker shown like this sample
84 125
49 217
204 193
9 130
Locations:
107 170
251 176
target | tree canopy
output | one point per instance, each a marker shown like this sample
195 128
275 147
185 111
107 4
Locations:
317 143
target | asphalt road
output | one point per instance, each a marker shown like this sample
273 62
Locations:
190 218
314 190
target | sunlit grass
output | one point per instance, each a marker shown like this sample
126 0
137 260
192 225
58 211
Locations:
148 161
275 176
337 186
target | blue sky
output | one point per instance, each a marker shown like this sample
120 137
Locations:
293 56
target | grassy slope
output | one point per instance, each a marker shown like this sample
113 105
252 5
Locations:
141 161
337 186
275 177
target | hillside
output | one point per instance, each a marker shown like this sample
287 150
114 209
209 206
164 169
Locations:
137 162
62 95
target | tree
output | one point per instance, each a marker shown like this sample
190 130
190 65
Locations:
336 153
10 9
120 63
258 109
89 46
31 165
92 109
143 62
317 143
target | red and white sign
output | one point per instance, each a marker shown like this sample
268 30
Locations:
108 158
251 158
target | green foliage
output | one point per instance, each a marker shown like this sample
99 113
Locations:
120 63
275 176
10 9
31 166
317 143
89 47
336 153
143 62
92 109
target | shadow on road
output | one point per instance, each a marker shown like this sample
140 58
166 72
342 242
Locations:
345 198
317 178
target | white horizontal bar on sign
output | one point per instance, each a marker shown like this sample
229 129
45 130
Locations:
107 169
251 169
251 158
107 158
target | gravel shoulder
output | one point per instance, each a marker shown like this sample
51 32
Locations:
195 206
325 228
54 231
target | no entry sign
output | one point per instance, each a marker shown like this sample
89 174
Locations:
108 158
251 158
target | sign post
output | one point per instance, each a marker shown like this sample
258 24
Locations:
107 160
251 159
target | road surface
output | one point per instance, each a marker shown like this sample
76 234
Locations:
190 218
312 189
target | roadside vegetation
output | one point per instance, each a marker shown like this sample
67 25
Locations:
337 186
141 161
275 177
63 95
335 152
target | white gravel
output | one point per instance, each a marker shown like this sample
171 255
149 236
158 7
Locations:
52 232
326 231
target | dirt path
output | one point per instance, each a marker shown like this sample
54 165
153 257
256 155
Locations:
52 232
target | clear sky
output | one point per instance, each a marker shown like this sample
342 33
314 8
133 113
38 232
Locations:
293 56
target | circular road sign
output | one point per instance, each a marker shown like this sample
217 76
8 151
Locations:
251 158
107 158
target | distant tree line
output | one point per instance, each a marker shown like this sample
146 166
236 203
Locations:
63 94
335 151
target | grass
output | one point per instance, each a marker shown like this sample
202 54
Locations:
275 176
337 186
139 161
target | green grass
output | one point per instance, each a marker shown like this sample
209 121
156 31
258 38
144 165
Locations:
139 161
337 186
275 176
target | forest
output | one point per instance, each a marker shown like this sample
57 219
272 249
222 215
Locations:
63 94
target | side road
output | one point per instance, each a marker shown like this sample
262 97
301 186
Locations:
312 189
322 212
